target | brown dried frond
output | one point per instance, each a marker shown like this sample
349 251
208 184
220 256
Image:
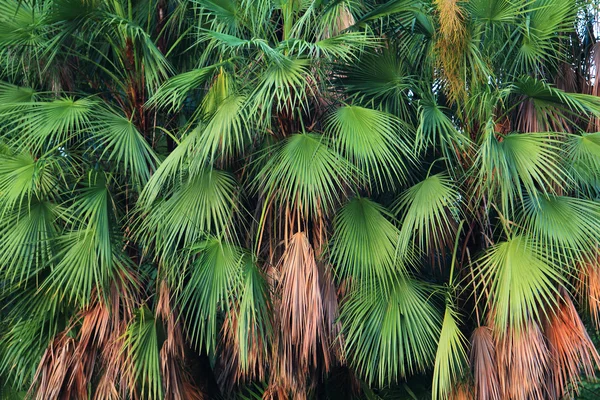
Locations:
589 287
176 381
531 118
61 373
332 325
463 391
451 45
571 349
113 381
231 372
523 360
484 364
300 319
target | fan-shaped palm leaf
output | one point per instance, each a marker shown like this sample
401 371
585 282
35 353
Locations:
583 152
23 179
364 242
425 211
207 289
522 280
373 141
201 205
390 334
484 364
141 348
306 173
25 240
520 161
565 225
437 130
451 357
124 145
47 125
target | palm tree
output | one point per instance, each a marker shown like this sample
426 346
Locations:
298 198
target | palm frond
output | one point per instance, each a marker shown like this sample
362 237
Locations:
522 358
364 242
141 348
437 130
522 282
24 179
484 364
305 172
390 334
227 132
283 87
583 154
172 94
208 288
451 356
374 141
124 145
200 205
425 211
571 349
301 309
566 226
26 241
88 257
46 125
519 164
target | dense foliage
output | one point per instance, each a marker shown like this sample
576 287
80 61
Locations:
298 198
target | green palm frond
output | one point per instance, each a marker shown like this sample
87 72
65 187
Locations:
495 11
583 154
523 281
88 256
363 245
203 204
551 104
25 342
227 132
426 213
141 347
451 357
172 172
379 79
26 240
518 164
345 46
373 140
538 37
208 288
254 325
172 94
47 125
12 95
390 334
305 172
436 129
119 30
283 87
566 226
124 145
23 179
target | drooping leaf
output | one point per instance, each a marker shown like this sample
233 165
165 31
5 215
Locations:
364 242
522 282
390 334
451 356
305 172
374 141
